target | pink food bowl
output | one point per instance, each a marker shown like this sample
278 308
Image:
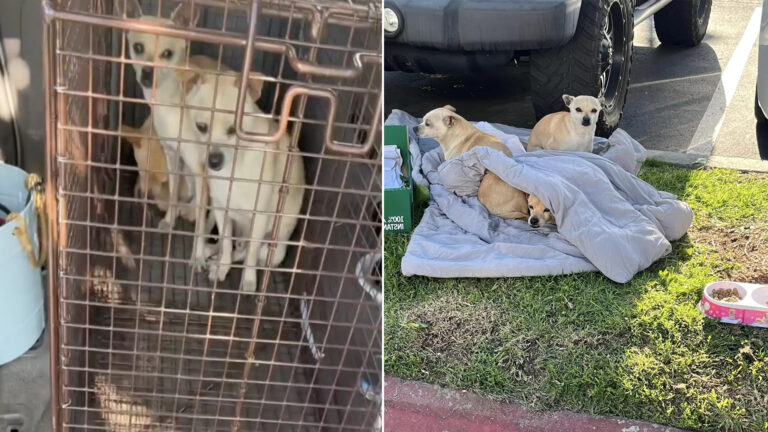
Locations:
750 309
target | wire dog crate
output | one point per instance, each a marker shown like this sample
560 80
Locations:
140 341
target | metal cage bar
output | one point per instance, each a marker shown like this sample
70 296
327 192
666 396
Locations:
140 340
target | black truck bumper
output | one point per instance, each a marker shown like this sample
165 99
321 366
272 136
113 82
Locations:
440 34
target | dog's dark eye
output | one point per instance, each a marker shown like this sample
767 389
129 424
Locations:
546 210
231 130
426 124
530 207
578 109
594 110
166 54
138 48
202 127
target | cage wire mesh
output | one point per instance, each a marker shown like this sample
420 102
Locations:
141 341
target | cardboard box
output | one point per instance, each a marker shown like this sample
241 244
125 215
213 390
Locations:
398 203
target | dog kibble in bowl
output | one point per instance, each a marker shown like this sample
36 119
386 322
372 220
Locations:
730 295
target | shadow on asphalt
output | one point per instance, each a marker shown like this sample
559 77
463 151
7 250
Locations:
499 96
670 90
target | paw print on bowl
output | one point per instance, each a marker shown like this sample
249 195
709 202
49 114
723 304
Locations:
736 303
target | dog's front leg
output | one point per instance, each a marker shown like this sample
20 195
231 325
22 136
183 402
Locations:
137 189
258 228
280 248
173 162
225 251
201 223
249 273
211 249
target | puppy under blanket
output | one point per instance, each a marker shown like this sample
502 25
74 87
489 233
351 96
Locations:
607 219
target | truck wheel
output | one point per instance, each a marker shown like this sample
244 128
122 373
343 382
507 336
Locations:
596 62
683 22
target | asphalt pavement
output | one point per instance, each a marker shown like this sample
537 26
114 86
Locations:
697 100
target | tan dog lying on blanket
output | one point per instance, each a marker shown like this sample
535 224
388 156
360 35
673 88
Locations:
456 137
539 213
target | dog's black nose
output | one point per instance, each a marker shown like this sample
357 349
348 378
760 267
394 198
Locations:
585 121
146 76
215 160
416 130
534 221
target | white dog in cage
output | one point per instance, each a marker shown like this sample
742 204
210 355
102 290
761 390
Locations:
161 86
248 206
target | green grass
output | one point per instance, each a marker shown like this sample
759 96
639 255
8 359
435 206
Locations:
581 342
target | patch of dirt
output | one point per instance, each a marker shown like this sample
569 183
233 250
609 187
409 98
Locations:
745 245
453 330
452 326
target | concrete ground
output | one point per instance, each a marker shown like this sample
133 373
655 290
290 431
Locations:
412 406
676 99
25 391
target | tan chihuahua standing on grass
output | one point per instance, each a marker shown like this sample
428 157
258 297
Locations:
456 137
568 131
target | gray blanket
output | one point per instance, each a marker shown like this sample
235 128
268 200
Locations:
608 219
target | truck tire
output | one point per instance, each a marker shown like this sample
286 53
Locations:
759 115
683 22
595 62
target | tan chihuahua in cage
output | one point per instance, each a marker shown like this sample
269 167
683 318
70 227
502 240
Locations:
153 171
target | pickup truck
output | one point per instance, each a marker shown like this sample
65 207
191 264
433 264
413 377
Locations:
761 93
571 46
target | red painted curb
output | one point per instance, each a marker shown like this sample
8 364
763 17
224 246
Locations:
418 407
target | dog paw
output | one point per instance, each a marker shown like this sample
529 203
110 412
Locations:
189 213
210 251
164 225
198 266
218 272
198 262
249 282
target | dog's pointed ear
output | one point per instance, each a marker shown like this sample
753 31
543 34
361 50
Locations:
189 79
568 99
601 100
185 16
133 140
128 8
449 120
255 84
450 108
